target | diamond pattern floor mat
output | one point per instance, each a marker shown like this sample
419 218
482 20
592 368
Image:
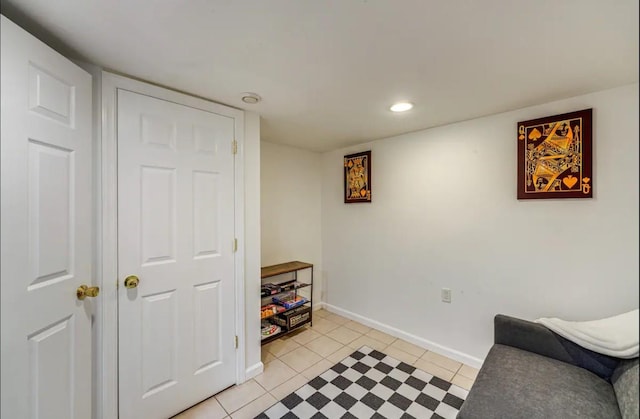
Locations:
370 384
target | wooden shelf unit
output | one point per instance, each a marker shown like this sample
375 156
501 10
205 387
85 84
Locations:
285 268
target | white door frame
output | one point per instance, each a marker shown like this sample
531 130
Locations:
106 324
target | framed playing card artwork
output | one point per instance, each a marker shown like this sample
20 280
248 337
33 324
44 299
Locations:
357 177
554 157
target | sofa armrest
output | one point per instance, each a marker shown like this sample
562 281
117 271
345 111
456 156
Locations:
529 336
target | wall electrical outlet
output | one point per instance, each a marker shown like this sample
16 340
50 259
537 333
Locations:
445 293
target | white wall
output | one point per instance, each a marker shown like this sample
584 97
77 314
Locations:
445 214
251 154
290 206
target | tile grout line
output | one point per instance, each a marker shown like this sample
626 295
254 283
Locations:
223 408
458 369
247 403
263 387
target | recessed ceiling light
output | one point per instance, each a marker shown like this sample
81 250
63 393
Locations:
251 98
401 107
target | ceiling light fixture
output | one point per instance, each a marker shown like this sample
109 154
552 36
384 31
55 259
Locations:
251 98
401 107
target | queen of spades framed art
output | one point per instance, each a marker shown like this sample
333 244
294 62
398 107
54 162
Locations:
357 177
554 157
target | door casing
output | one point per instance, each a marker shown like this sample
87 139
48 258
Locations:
106 324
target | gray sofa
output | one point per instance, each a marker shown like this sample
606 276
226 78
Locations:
531 372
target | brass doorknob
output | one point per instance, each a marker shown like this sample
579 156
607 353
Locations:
84 291
131 281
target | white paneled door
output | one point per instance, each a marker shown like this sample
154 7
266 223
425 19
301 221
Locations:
175 248
46 231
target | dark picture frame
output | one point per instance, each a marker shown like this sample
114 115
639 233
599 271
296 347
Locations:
357 177
555 156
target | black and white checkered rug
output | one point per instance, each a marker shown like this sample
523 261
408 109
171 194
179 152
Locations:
370 384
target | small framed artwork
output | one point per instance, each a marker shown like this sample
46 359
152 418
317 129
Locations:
357 177
554 157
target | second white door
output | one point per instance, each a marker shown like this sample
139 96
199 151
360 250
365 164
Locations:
175 235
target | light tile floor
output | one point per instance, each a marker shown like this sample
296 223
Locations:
293 360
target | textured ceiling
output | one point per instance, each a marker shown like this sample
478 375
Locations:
328 70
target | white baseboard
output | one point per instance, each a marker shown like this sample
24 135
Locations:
252 371
319 306
416 340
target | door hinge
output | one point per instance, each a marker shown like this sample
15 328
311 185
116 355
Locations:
235 245
117 284
234 146
235 341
